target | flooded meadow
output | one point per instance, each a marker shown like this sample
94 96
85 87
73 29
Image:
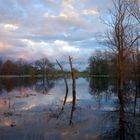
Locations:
34 109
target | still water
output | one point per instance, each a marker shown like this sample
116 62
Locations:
31 109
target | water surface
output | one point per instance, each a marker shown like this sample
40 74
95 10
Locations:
30 110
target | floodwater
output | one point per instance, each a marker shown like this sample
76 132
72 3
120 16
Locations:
31 109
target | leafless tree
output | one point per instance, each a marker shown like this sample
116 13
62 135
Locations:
134 9
122 38
73 75
44 65
1 63
65 81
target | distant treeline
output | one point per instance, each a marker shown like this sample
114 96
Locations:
105 63
21 67
100 63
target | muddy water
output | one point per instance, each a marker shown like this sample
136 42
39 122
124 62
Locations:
31 110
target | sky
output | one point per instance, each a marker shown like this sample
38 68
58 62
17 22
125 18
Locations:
56 29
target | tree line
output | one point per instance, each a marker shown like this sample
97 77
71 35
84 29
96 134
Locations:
104 63
122 39
122 61
20 67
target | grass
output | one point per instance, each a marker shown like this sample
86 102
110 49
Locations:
79 74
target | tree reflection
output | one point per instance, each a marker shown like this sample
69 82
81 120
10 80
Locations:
101 88
9 84
124 119
40 85
44 85
98 84
72 111
125 126
73 108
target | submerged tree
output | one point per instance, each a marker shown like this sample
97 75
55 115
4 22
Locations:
65 81
100 63
122 38
1 64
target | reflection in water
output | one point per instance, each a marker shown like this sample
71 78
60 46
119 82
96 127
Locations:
9 84
125 121
98 85
44 85
122 119
102 89
136 95
22 93
102 112
72 111
73 102
41 85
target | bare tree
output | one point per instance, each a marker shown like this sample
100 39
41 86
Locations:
65 81
1 64
122 39
73 74
134 9
44 65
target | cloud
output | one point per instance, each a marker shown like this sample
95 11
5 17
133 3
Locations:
91 12
3 46
54 28
10 27
52 50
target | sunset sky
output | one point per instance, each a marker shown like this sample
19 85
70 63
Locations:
32 29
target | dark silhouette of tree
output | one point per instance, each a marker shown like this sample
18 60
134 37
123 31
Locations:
122 39
44 86
66 83
134 9
99 63
9 68
21 67
44 66
1 65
